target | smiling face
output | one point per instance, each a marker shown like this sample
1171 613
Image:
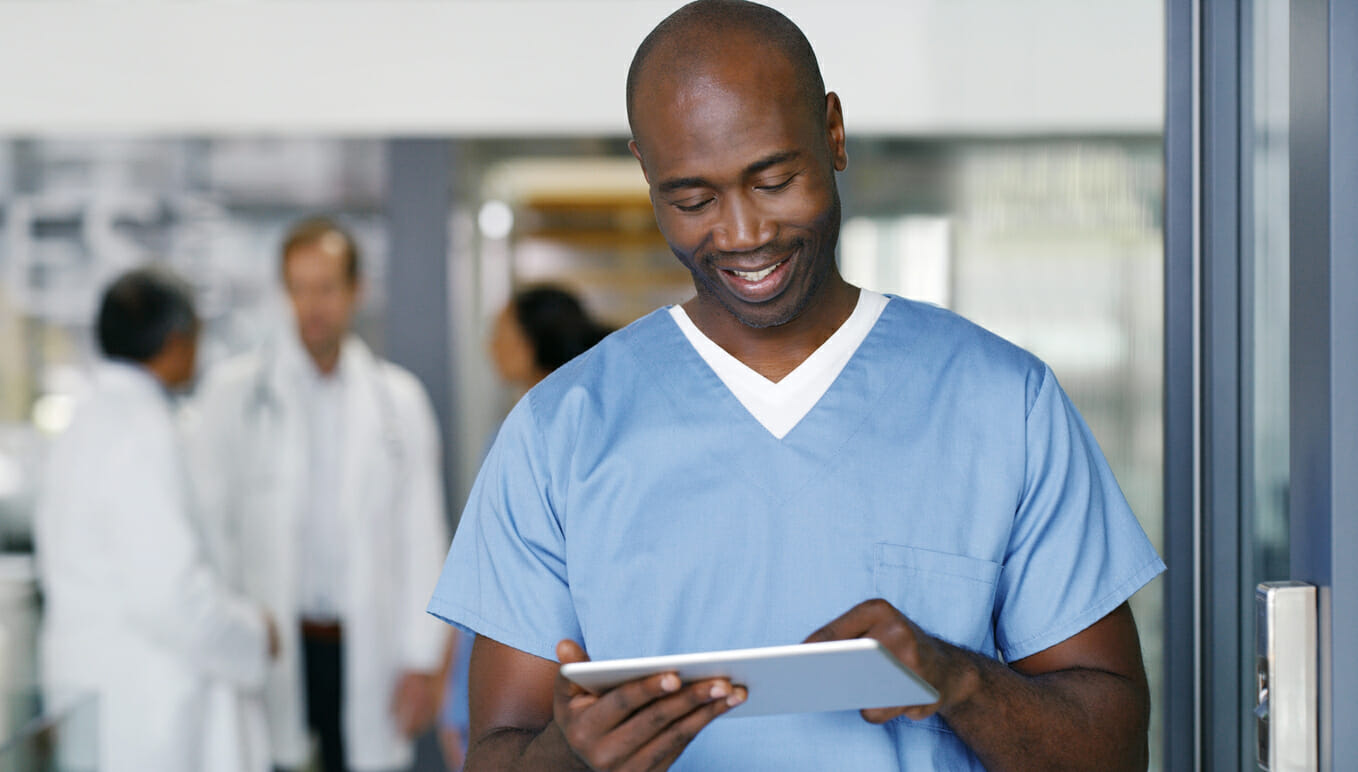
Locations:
741 172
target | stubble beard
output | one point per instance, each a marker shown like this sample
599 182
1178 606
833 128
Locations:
823 266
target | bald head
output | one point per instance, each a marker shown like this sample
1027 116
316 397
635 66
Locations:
698 35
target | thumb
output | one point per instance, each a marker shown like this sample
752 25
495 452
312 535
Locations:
570 651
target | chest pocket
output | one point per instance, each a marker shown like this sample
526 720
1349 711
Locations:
950 596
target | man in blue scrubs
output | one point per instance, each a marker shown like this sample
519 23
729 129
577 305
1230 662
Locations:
786 457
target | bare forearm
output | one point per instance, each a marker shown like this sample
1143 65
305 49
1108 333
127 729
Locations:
523 750
1076 719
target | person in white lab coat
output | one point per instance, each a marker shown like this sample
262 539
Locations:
319 466
135 614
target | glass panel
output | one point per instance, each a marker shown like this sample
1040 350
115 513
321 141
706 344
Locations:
1060 249
1266 268
1056 245
1269 263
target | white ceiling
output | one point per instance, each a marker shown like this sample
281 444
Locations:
538 67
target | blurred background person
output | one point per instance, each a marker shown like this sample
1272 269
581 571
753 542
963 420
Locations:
320 468
540 329
135 612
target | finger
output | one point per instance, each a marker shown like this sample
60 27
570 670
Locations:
900 638
914 649
921 712
575 704
912 712
643 726
610 709
647 723
881 715
853 623
661 751
569 700
880 621
570 651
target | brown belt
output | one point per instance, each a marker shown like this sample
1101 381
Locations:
330 632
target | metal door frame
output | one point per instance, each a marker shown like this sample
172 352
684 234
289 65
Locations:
1323 160
1208 622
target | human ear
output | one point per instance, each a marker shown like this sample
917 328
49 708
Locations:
834 130
636 153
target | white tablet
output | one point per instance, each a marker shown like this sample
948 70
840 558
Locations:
802 678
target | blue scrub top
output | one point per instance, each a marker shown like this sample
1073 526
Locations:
631 503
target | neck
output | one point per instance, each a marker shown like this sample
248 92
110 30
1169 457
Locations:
773 352
326 359
160 370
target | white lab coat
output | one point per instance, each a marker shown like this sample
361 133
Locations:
249 456
134 612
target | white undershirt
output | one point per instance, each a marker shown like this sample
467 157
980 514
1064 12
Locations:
780 406
321 572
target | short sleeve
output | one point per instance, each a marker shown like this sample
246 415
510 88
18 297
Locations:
505 574
1076 551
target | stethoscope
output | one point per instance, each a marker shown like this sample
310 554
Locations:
264 413
264 404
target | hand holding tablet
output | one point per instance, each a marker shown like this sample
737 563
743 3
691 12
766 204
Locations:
835 675
644 723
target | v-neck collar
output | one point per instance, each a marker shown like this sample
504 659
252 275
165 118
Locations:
780 406
819 440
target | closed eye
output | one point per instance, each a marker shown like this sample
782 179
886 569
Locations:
777 186
692 207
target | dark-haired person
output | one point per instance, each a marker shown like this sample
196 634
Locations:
540 329
319 462
786 457
134 613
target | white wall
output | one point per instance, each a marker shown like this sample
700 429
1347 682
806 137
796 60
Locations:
525 67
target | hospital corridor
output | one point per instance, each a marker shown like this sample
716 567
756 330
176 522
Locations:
341 340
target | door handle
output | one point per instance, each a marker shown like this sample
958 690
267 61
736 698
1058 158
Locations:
1285 712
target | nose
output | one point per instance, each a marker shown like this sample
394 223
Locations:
742 226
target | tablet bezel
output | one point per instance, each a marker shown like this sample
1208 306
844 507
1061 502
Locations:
834 675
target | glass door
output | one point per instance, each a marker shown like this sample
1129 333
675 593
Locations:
1261 269
1265 372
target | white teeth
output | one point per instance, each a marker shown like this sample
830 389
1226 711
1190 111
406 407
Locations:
756 275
